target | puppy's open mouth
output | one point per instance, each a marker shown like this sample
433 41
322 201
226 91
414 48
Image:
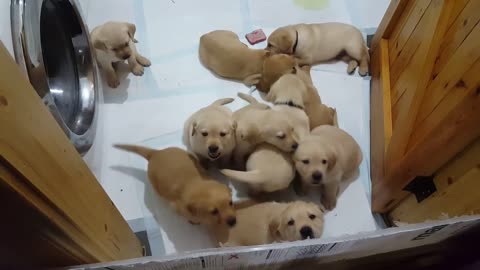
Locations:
214 156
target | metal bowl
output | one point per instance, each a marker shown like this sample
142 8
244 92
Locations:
52 45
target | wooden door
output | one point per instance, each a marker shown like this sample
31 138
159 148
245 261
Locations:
54 211
425 97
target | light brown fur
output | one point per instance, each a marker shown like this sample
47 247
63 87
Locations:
223 53
177 177
274 67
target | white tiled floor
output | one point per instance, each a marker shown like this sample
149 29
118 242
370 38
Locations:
150 110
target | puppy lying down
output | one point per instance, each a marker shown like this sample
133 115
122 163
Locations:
223 53
320 42
271 222
114 42
328 159
177 177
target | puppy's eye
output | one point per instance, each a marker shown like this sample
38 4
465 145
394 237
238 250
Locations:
291 222
215 212
269 45
223 134
281 136
230 203
324 161
204 134
306 161
312 217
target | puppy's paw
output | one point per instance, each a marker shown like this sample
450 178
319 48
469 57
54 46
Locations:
137 70
143 61
363 71
113 82
328 203
252 80
352 65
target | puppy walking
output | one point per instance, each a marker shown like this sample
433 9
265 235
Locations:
115 42
176 176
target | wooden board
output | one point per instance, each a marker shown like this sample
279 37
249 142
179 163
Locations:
46 172
457 186
389 20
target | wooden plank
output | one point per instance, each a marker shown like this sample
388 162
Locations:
456 34
381 120
456 131
403 31
457 191
389 21
53 178
458 7
406 117
469 83
461 62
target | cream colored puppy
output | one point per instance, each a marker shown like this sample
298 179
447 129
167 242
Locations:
329 158
223 53
115 42
274 222
257 124
315 43
210 133
261 176
288 94
177 177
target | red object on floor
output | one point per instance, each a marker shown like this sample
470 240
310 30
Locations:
256 36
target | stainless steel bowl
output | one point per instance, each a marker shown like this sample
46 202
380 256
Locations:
52 45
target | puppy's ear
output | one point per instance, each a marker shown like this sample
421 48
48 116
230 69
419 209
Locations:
271 96
287 44
193 128
332 159
99 44
131 29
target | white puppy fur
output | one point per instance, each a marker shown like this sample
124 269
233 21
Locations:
115 42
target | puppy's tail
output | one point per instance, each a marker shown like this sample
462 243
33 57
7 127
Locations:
250 177
222 101
248 98
140 150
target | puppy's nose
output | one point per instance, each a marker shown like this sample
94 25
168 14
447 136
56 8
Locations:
125 57
317 177
212 148
306 232
294 146
231 221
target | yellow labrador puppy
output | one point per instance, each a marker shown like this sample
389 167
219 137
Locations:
315 43
329 158
271 222
177 177
261 176
257 124
223 53
115 42
210 133
274 67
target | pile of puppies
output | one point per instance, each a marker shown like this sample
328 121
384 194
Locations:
265 147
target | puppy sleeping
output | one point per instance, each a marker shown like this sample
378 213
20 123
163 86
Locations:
329 159
315 43
261 176
177 177
114 42
210 133
257 124
271 222
223 53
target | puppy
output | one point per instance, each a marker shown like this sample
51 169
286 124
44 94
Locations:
288 95
223 53
176 176
257 124
315 43
329 158
318 113
115 42
210 133
273 222
274 67
261 176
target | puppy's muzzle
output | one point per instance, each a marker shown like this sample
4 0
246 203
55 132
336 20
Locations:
213 151
231 221
306 232
317 177
126 56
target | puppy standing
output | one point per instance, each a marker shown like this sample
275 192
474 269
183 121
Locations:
115 42
315 43
273 222
177 177
210 133
329 158
223 53
257 124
